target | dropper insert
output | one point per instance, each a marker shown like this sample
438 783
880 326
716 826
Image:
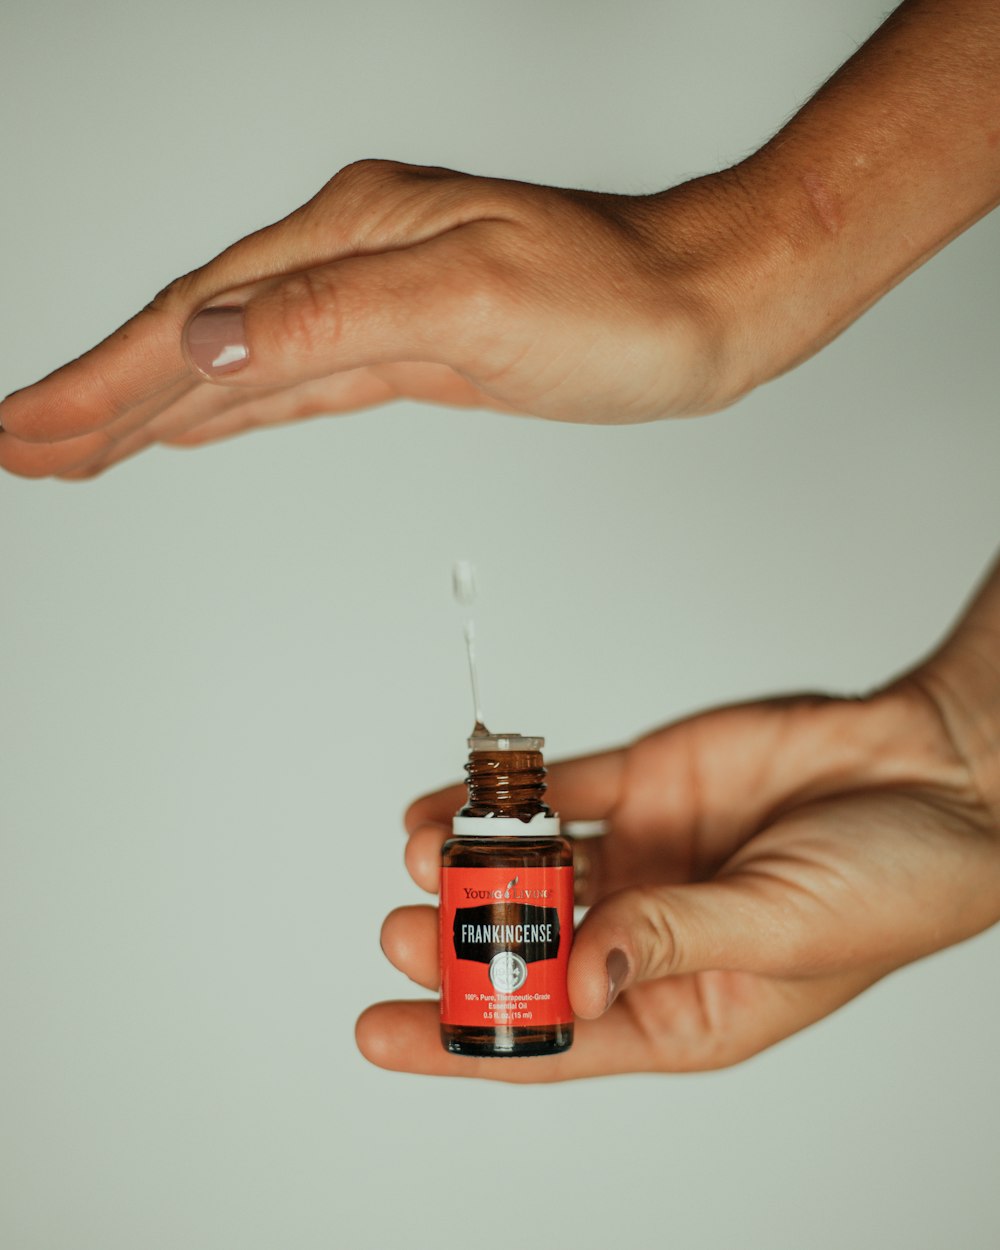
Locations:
486 741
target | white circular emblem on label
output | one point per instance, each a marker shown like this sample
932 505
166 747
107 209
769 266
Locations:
508 972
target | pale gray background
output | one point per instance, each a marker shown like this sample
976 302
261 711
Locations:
226 672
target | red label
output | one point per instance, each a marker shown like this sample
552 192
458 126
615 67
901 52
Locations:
505 939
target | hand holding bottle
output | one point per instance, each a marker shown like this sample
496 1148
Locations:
766 863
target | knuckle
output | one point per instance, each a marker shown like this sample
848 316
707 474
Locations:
306 315
368 173
376 169
483 298
375 201
656 935
429 197
175 295
480 291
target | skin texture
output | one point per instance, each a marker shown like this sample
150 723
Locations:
399 280
766 863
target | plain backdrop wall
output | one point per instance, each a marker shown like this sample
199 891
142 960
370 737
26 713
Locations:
224 673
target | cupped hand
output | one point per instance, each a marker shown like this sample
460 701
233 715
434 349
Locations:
765 864
405 281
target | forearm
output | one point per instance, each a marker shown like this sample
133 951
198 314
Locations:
897 154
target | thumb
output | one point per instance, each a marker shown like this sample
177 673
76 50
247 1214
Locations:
736 924
425 303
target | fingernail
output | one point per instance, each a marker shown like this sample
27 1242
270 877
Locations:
215 340
617 966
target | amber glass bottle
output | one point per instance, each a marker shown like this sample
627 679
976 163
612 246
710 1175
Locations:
506 909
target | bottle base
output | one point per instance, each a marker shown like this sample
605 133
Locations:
506 1043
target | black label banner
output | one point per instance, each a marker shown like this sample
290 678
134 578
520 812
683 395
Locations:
479 933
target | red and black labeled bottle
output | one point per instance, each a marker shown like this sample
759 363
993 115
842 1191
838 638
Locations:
506 909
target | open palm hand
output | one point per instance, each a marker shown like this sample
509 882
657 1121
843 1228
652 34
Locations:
404 281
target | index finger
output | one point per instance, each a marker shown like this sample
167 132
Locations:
141 362
141 366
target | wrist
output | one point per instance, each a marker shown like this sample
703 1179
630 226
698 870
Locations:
744 251
722 258
892 158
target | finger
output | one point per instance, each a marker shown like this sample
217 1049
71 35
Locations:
206 414
405 1037
85 456
139 363
423 861
187 415
588 854
698 789
410 941
688 1024
440 301
435 809
140 368
348 391
144 426
142 362
36 460
202 406
368 207
586 788
202 413
423 855
743 923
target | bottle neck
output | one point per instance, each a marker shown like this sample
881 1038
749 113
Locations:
506 784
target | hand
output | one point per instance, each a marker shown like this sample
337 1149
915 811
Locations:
403 281
765 864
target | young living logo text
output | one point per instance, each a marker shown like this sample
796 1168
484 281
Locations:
510 895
